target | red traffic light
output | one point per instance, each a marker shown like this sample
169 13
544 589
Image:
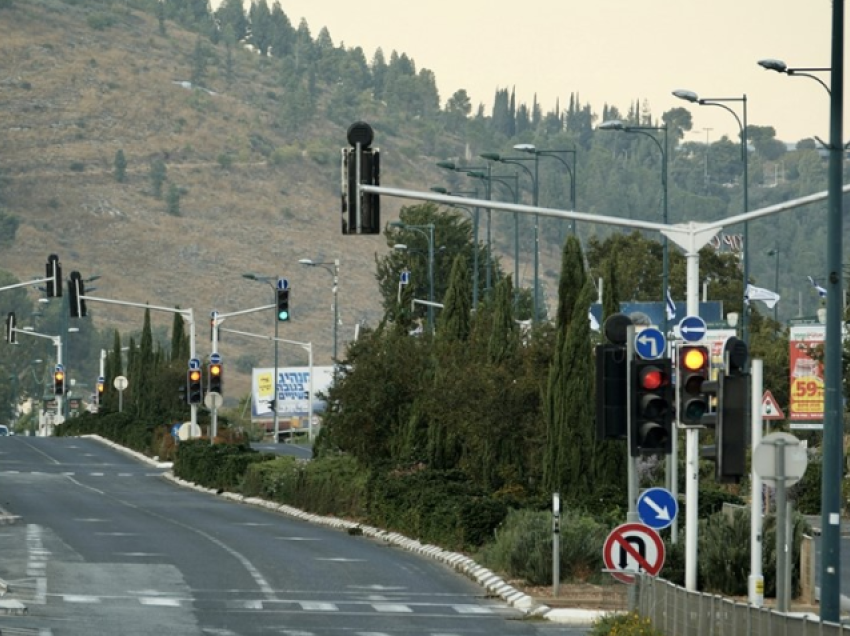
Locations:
651 378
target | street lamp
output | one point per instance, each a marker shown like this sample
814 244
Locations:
474 216
615 124
833 421
333 269
690 96
775 254
272 282
427 231
516 161
572 170
780 67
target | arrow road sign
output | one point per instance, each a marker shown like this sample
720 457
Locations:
650 343
692 328
657 508
633 548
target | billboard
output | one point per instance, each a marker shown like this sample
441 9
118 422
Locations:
806 380
294 391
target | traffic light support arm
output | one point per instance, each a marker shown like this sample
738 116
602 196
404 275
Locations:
28 283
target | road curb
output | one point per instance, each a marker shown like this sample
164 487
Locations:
489 580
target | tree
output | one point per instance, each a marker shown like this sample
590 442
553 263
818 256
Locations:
157 176
120 166
503 340
453 324
231 14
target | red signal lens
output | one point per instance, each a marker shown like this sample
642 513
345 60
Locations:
652 379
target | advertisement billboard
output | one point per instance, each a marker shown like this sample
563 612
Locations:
294 391
806 380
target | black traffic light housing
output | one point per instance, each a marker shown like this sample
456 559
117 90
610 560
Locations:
693 370
652 407
194 390
283 314
732 429
215 378
101 388
11 334
76 291
361 164
611 392
59 382
54 276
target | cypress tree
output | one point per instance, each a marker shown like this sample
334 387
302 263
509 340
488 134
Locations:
503 341
453 323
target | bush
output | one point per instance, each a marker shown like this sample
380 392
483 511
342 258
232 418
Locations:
221 466
523 547
631 624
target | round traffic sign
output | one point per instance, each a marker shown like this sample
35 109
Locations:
794 455
657 508
650 343
692 328
213 400
120 383
215 358
633 548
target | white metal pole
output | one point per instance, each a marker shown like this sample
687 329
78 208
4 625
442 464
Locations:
310 400
691 445
756 579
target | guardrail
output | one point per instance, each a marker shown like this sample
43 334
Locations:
675 611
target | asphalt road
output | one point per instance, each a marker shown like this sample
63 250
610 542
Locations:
103 544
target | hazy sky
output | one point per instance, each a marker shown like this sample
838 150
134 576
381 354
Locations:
612 52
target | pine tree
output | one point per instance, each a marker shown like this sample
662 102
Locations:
453 323
503 341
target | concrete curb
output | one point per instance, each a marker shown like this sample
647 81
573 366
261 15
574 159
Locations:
127 451
459 562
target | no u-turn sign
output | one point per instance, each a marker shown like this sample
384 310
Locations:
633 548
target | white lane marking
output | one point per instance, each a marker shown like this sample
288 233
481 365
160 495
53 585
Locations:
341 560
96 474
472 609
252 605
160 602
138 554
116 534
394 608
313 606
80 598
297 539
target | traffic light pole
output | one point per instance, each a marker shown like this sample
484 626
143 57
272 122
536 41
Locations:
57 342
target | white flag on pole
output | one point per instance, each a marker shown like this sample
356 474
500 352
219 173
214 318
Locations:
768 297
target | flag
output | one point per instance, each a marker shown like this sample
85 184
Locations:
768 297
821 290
671 306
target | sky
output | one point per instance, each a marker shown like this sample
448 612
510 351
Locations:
614 52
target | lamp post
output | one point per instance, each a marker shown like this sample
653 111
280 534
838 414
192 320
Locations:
644 130
474 215
690 96
517 161
780 67
833 421
272 282
333 269
775 254
572 170
427 231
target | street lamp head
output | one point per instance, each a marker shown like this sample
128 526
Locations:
446 165
399 246
611 124
688 96
525 148
306 261
491 156
250 276
476 174
439 190
773 65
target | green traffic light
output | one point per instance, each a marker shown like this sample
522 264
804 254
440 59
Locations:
283 315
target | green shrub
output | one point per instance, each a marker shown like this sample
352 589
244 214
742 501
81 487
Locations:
221 466
631 624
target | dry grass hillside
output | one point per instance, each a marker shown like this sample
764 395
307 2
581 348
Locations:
72 95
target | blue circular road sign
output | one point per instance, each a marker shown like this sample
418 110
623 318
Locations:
692 328
215 358
194 363
650 343
282 283
657 508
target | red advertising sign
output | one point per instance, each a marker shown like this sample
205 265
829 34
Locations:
806 373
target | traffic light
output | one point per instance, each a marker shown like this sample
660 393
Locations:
732 408
101 387
11 334
283 305
611 392
652 407
54 276
361 164
214 381
59 382
693 370
76 291
194 391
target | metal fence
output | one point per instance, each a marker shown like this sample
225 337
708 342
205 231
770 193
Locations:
675 611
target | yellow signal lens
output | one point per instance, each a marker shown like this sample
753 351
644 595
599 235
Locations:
195 376
694 359
215 369
58 376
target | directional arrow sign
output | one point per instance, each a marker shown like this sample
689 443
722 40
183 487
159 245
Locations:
692 328
650 343
657 508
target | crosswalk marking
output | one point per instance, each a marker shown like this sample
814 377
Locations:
318 606
80 598
160 602
391 607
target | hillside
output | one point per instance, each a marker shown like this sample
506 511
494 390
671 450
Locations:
254 199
